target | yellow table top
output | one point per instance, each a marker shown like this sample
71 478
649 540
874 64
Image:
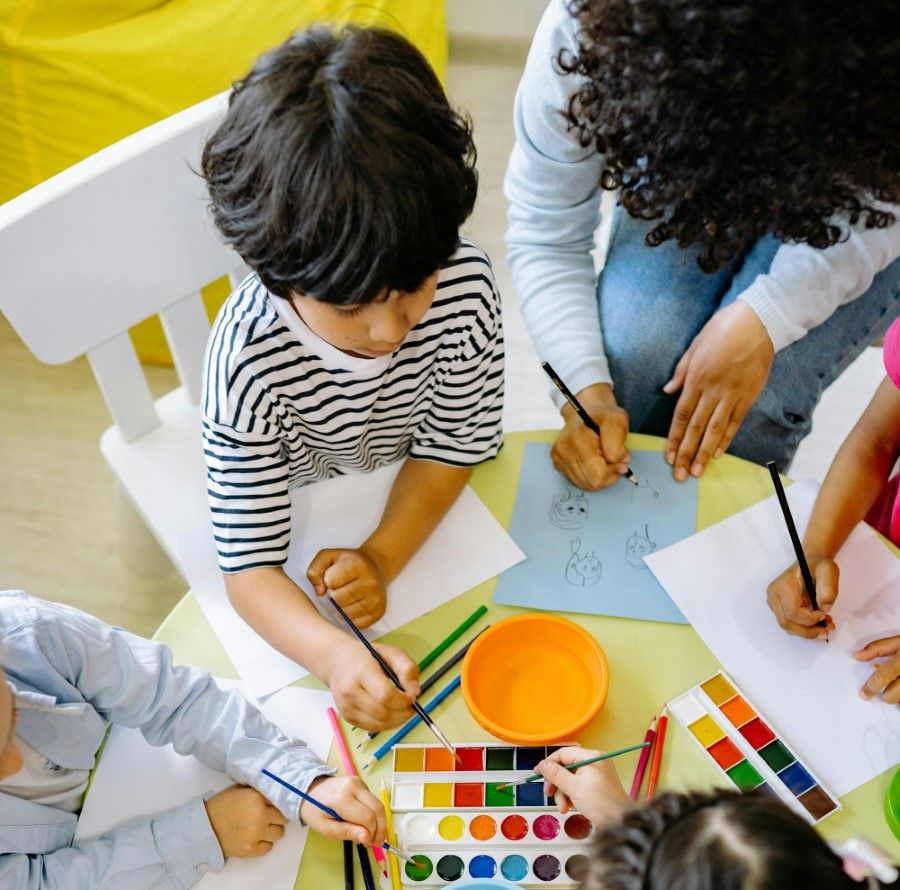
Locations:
650 662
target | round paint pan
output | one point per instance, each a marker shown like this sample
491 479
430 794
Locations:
892 805
483 884
535 679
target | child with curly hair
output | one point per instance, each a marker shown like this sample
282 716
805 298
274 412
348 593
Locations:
859 486
718 840
752 148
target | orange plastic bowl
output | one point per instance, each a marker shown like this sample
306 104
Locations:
535 679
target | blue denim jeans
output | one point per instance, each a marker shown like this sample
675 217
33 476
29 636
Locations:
654 301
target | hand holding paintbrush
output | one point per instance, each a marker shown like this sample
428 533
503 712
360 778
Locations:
392 676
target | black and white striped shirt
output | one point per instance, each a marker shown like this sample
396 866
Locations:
282 408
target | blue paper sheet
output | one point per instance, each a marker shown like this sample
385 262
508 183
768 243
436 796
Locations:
585 549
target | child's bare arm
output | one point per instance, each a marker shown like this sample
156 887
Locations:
422 493
358 578
280 612
856 477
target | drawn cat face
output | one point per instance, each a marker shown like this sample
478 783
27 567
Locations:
583 570
569 510
637 546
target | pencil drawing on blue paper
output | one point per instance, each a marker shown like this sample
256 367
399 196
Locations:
585 550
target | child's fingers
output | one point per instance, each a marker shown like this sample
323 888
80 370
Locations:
273 833
403 666
343 571
315 573
367 799
275 816
883 648
827 575
557 775
881 681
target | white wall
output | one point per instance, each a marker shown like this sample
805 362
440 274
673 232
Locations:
509 19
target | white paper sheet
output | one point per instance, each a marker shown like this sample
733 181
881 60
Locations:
468 547
808 689
136 779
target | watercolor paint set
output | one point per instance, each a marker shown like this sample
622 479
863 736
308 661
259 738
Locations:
751 754
457 821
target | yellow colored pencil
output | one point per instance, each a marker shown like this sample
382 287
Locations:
392 838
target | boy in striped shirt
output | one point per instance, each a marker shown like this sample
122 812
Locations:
368 333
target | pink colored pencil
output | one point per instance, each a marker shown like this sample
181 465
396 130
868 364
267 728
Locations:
657 756
350 769
638 779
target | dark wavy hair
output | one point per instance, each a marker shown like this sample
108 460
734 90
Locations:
722 840
340 169
728 119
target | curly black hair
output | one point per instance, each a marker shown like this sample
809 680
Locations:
720 840
726 120
341 170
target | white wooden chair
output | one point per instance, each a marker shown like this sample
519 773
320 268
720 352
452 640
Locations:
121 236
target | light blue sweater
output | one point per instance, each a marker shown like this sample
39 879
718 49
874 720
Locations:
71 677
554 210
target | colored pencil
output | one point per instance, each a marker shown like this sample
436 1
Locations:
444 645
805 573
638 779
365 867
580 410
440 672
329 811
657 755
389 673
396 883
572 766
350 768
349 878
412 724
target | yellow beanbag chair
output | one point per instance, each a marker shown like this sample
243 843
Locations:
77 75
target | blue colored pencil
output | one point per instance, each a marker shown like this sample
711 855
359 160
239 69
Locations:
327 809
412 723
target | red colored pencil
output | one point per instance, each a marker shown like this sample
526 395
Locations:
657 756
642 763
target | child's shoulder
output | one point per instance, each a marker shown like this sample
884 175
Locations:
246 319
469 274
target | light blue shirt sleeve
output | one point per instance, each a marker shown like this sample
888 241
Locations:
552 185
172 850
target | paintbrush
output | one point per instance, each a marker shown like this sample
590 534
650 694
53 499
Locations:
330 812
440 672
389 673
535 777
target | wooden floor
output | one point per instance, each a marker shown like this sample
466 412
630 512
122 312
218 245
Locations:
58 535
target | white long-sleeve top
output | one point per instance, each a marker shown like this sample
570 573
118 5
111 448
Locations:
552 185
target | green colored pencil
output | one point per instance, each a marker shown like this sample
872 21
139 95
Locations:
571 766
443 646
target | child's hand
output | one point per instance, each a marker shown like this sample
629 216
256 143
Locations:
885 680
244 822
355 580
362 812
788 599
363 694
594 790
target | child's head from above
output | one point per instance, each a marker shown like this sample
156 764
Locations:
341 175
10 758
724 121
721 840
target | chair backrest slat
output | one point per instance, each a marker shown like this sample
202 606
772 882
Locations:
187 330
123 384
